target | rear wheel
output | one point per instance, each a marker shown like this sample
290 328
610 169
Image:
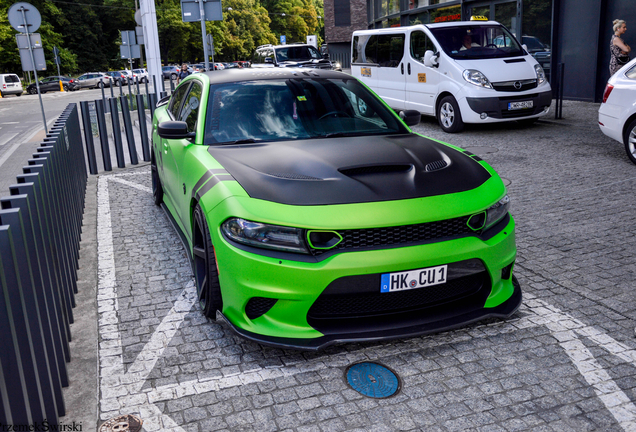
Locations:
630 141
33 90
173 76
448 115
65 87
206 274
101 84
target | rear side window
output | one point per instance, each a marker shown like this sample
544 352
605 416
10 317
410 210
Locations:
420 43
390 50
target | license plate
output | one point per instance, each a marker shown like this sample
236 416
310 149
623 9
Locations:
413 279
520 105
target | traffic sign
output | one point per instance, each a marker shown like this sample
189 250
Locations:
190 11
283 39
21 11
38 52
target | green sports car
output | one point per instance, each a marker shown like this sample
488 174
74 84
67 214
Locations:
313 215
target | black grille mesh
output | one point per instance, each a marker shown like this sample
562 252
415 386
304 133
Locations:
377 303
399 235
257 306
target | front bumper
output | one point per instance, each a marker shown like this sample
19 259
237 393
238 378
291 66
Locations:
497 107
297 286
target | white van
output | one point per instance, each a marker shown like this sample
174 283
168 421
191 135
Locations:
10 84
460 72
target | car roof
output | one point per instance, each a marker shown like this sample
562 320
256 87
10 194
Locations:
248 74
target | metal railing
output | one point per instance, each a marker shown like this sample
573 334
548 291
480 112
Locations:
40 229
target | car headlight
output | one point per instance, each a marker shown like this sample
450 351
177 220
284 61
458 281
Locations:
497 211
281 238
476 78
540 74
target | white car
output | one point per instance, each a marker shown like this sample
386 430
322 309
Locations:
617 114
142 75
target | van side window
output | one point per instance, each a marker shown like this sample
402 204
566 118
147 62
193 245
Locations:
371 50
390 50
420 43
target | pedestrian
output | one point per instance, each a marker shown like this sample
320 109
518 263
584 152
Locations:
184 72
619 50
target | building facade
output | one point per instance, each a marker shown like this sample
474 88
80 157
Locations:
575 33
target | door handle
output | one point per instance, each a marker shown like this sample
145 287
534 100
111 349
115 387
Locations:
402 68
409 68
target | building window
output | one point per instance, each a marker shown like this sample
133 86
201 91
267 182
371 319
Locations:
445 14
342 13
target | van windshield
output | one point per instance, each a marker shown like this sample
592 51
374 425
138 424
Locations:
477 42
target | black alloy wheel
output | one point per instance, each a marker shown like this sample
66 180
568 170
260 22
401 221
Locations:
33 90
206 274
157 188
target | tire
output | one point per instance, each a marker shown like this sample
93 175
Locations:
33 91
206 274
65 87
173 76
365 110
157 188
629 138
19 94
448 115
100 85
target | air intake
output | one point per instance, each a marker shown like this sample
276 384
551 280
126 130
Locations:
375 169
293 176
437 165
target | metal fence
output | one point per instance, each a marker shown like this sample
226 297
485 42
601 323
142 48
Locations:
40 229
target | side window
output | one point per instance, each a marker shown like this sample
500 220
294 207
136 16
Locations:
175 101
390 50
420 43
371 50
190 110
258 58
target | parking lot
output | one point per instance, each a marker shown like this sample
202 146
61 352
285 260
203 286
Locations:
565 361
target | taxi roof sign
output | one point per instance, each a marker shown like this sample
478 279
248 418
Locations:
478 18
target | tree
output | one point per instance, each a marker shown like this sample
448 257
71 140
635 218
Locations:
247 26
296 19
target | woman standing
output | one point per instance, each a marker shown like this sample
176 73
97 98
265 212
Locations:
619 50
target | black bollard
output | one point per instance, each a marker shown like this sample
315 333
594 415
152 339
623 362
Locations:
119 149
103 134
130 137
88 136
143 128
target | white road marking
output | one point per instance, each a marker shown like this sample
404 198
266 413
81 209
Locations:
133 185
10 123
15 146
7 139
122 390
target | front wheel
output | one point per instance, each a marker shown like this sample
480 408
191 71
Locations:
100 85
157 188
206 272
630 141
448 115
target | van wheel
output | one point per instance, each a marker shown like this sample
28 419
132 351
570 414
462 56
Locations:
365 110
630 141
448 115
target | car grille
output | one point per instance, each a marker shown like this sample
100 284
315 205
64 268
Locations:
332 306
357 239
509 86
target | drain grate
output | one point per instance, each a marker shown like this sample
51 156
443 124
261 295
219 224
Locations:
373 380
123 423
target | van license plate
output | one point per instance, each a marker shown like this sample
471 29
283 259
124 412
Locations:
413 279
519 105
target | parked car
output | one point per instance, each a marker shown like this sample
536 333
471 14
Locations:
297 243
170 72
540 52
142 75
130 75
118 77
10 84
53 84
292 55
459 72
617 114
94 80
219 66
199 67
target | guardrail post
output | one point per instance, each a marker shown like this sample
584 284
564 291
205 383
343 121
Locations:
88 136
114 117
125 112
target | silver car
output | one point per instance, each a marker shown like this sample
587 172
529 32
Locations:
94 80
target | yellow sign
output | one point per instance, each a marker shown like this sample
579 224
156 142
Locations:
365 72
478 18
421 77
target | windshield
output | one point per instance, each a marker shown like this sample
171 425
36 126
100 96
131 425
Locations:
477 42
300 52
274 110
533 44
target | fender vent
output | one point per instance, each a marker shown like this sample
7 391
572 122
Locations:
375 169
293 176
258 306
437 165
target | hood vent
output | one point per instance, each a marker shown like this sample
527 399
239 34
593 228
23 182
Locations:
293 176
517 60
437 165
375 169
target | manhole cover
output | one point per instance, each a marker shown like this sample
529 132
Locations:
123 423
482 150
373 380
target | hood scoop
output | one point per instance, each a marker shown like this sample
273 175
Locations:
293 176
517 60
375 169
437 165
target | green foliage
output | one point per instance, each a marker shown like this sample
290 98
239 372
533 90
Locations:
87 31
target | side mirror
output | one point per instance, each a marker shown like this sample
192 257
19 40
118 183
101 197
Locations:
410 117
269 60
174 130
325 56
430 59
525 47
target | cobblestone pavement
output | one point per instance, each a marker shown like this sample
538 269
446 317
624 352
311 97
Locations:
566 361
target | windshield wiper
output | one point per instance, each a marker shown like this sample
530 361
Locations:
239 141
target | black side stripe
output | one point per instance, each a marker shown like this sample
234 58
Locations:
477 158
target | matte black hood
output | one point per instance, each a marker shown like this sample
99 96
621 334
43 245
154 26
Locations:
349 170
